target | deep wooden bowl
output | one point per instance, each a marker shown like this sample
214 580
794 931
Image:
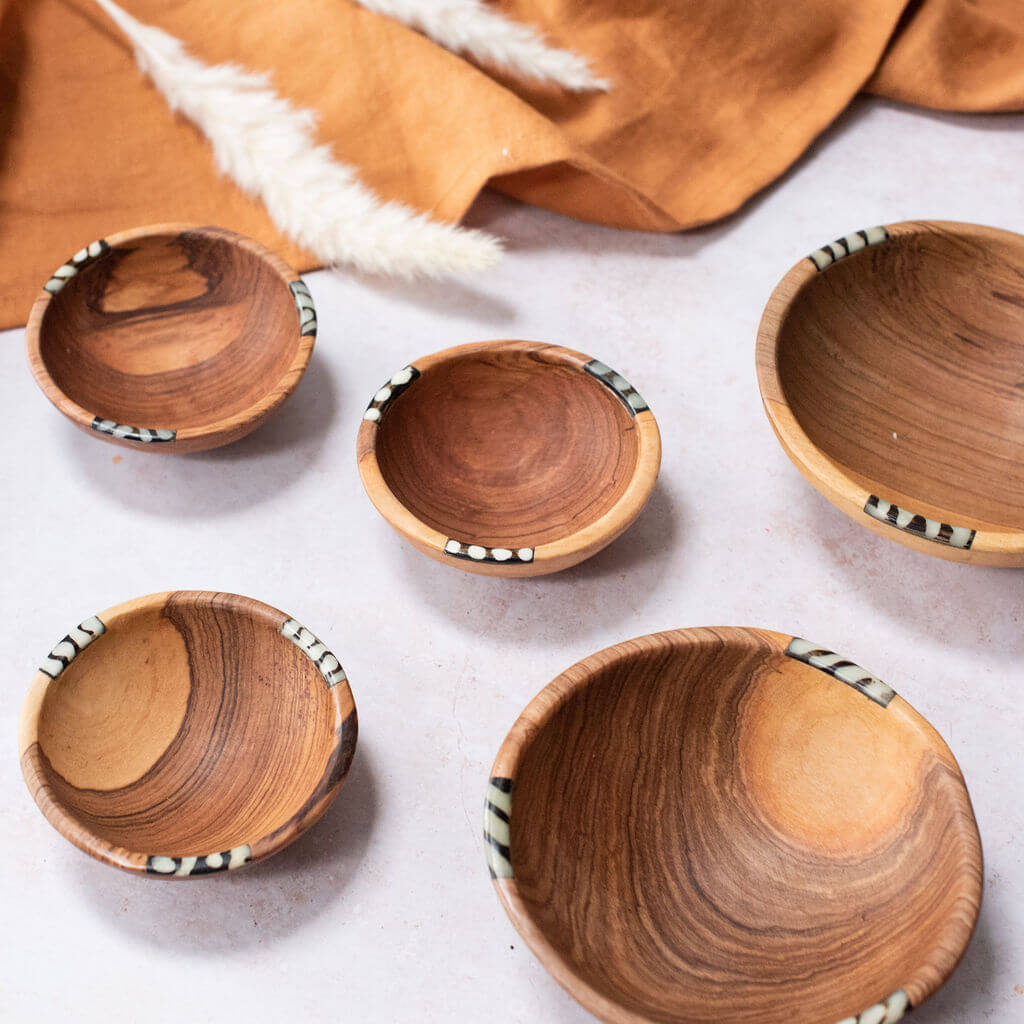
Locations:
508 458
732 825
172 338
890 365
186 733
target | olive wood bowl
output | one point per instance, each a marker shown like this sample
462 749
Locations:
172 338
730 824
890 365
508 458
186 733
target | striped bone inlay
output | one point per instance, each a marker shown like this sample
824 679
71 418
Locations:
845 671
627 394
888 1012
304 304
384 396
71 646
144 435
828 254
317 652
64 273
479 553
909 522
497 815
189 867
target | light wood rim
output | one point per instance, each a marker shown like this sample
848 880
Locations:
559 691
211 435
992 545
547 558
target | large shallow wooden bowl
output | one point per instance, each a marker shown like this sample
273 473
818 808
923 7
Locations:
890 364
173 338
716 825
508 458
186 733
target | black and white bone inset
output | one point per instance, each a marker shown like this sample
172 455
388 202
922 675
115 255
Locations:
189 867
839 668
497 820
627 394
909 522
317 652
479 553
304 304
71 646
143 435
385 395
828 254
82 258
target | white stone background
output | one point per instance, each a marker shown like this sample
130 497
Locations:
384 912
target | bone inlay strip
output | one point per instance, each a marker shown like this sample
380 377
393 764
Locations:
828 254
497 816
71 646
63 274
314 649
929 529
843 670
888 1012
305 306
479 553
389 392
628 395
144 435
184 867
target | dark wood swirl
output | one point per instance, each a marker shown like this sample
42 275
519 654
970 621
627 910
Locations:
191 726
704 829
190 329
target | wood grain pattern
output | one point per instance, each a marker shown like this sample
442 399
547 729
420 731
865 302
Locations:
172 338
729 824
892 377
509 458
193 732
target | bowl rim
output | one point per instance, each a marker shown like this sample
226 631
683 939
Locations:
337 765
563 688
223 429
550 556
990 544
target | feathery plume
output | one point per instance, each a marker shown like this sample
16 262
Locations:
267 146
468 27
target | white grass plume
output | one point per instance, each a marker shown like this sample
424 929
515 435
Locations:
469 27
267 146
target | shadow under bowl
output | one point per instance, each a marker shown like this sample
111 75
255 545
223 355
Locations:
891 366
731 824
509 458
187 733
173 338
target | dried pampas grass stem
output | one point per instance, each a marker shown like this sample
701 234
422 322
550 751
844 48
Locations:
267 146
469 28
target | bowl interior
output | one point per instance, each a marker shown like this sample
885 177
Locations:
190 726
710 830
507 446
904 362
172 330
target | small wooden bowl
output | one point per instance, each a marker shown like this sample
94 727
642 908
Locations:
508 458
186 733
733 825
890 365
173 338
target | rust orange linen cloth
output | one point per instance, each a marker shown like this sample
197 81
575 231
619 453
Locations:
711 100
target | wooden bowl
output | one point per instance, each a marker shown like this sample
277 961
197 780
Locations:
732 825
508 458
890 365
186 733
173 338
